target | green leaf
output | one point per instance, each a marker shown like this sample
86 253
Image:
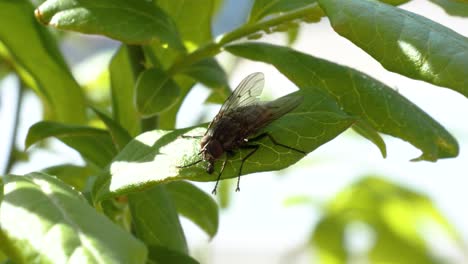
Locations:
367 131
195 205
122 87
263 8
119 135
395 214
403 42
155 219
153 157
155 92
167 119
51 77
73 175
162 255
225 193
210 73
292 34
135 22
46 221
394 2
453 7
389 242
328 241
360 95
193 19
93 144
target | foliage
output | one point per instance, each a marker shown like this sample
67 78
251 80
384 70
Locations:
123 205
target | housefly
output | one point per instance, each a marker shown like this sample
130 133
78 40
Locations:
241 117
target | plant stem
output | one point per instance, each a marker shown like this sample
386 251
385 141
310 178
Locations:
215 46
11 155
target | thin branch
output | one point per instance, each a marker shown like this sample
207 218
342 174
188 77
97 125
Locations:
11 155
215 46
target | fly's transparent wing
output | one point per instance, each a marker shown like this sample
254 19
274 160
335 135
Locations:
246 93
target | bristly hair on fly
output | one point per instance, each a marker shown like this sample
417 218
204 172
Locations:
238 122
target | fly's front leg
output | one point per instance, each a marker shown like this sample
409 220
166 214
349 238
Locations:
189 165
254 148
228 154
257 138
219 176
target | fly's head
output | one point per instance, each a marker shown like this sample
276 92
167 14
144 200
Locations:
211 150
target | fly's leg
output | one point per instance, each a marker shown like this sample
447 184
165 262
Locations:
193 163
228 154
257 138
189 165
219 176
254 148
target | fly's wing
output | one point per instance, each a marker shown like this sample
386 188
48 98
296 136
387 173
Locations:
270 111
246 93
283 105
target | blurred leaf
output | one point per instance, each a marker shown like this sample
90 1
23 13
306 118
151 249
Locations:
300 200
153 157
58 225
210 73
403 42
394 2
155 219
119 135
292 34
224 195
389 242
135 22
155 92
72 175
122 86
162 255
396 215
327 239
367 131
263 8
195 205
118 211
40 57
93 144
167 119
358 94
193 19
453 7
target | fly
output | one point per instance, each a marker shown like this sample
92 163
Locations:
241 117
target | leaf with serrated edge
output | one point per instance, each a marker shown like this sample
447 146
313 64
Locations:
403 42
46 221
153 157
358 94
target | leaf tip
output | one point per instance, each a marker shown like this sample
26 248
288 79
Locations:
39 16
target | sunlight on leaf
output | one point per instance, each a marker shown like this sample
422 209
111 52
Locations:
58 225
153 157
